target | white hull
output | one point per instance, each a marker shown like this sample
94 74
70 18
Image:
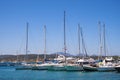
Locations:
57 67
39 68
89 68
106 68
44 66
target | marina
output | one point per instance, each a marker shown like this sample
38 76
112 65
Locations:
59 40
107 65
13 74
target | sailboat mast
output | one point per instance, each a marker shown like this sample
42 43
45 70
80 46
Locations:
100 37
44 42
17 55
104 39
64 35
27 41
79 40
83 44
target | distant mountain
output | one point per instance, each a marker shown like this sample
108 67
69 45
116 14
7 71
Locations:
79 54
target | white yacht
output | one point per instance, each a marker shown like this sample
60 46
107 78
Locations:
90 65
77 66
106 65
62 59
59 66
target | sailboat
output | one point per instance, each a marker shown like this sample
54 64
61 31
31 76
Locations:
24 65
60 66
94 67
77 65
107 64
44 65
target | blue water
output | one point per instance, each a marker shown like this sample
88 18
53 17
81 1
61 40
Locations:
9 73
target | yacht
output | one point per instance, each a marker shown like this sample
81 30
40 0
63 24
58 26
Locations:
106 65
59 65
77 66
43 66
90 65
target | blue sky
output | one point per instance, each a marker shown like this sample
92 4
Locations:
15 13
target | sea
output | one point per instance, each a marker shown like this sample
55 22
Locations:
9 73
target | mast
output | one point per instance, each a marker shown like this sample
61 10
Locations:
44 43
104 39
65 36
83 43
26 58
17 56
79 40
100 37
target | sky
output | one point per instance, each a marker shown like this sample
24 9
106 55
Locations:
14 14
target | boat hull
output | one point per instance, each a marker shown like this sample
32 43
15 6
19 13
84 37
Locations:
106 69
73 68
23 68
57 67
118 69
89 68
39 68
